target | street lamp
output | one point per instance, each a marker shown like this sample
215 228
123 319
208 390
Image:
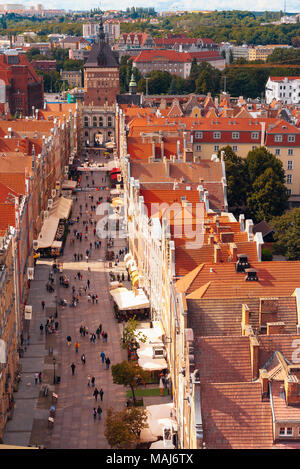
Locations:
54 377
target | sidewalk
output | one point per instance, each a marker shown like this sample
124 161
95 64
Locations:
74 426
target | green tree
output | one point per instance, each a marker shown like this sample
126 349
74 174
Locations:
130 333
287 234
260 159
268 196
123 428
237 178
128 374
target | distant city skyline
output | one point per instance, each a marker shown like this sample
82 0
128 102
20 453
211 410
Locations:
292 6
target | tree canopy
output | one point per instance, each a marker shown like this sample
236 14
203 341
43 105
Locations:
287 234
123 428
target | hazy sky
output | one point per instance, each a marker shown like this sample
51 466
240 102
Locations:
255 5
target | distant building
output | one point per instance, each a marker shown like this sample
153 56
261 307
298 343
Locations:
73 42
44 65
176 63
74 78
263 52
284 89
111 30
23 87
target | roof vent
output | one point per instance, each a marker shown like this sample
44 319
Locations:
242 263
251 275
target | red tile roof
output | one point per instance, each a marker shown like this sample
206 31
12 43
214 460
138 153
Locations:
223 359
276 278
161 55
234 416
7 215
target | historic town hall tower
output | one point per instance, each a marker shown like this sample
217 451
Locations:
101 87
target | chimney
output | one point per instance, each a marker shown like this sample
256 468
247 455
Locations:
291 385
178 148
211 239
153 149
254 349
217 253
227 237
275 328
264 380
162 148
268 309
249 229
242 221
187 155
245 318
233 251
167 166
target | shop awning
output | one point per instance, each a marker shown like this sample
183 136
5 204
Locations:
117 202
145 351
158 415
68 184
61 207
56 244
127 299
48 232
127 257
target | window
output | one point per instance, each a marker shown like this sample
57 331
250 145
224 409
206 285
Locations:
86 121
216 148
217 135
94 121
235 135
100 121
289 179
198 147
289 165
290 151
198 134
254 135
286 431
278 138
254 147
277 151
291 138
109 121
234 147
289 192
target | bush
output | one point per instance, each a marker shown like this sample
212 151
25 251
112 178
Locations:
266 254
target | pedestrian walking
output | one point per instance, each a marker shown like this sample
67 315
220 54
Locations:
100 328
41 328
105 336
93 381
102 355
73 366
107 363
36 377
69 340
43 304
88 283
89 381
98 333
81 330
76 346
96 298
95 394
40 377
94 413
101 392
99 412
83 359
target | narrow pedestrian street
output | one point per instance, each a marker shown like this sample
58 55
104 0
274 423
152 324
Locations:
74 426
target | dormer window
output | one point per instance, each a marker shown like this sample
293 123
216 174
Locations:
286 431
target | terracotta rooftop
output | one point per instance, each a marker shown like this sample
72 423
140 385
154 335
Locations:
14 180
276 278
235 417
7 215
223 359
223 317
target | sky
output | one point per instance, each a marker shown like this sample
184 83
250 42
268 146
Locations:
292 6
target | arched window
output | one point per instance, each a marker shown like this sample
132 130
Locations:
100 121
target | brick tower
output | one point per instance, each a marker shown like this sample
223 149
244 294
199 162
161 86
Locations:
101 74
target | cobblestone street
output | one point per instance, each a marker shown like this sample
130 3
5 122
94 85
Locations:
74 425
